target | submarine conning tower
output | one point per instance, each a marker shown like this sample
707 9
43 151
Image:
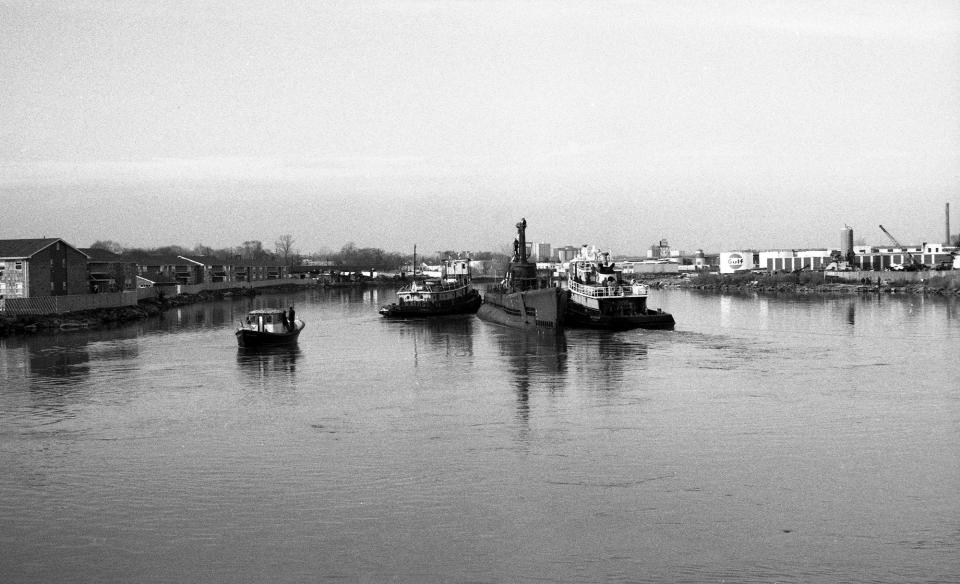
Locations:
523 273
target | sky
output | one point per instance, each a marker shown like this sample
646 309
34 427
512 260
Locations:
714 125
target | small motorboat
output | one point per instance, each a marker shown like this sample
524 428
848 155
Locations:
269 327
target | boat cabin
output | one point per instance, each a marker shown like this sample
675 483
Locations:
591 273
267 320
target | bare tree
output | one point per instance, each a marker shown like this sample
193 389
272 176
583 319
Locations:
284 246
203 250
111 246
348 253
253 250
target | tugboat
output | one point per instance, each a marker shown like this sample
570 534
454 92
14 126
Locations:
600 298
451 293
269 327
522 300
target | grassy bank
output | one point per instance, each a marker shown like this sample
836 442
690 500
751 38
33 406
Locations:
937 283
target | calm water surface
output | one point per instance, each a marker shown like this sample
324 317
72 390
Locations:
766 439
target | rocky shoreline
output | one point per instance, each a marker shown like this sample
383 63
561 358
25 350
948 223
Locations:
88 319
936 288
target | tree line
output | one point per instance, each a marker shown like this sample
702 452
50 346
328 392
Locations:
284 252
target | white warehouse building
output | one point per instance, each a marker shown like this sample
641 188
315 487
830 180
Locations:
774 260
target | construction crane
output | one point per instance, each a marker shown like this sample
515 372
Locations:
915 264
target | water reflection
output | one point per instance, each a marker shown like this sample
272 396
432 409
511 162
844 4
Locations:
218 315
358 295
536 361
49 373
268 363
164 448
372 296
603 357
61 360
450 336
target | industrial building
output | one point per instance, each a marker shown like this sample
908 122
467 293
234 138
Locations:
845 258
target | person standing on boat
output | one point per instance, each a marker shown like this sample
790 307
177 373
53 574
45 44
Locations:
290 321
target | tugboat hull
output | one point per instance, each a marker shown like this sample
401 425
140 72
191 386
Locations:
581 316
467 304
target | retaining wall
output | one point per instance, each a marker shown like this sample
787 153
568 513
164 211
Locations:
68 303
77 302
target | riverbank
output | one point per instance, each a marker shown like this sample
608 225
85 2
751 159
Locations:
945 284
815 283
95 318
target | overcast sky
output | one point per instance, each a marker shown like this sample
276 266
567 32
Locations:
715 125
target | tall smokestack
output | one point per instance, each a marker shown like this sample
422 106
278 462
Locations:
947 240
846 241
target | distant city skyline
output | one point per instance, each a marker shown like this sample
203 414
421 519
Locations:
717 126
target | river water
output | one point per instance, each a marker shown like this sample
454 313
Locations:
766 439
